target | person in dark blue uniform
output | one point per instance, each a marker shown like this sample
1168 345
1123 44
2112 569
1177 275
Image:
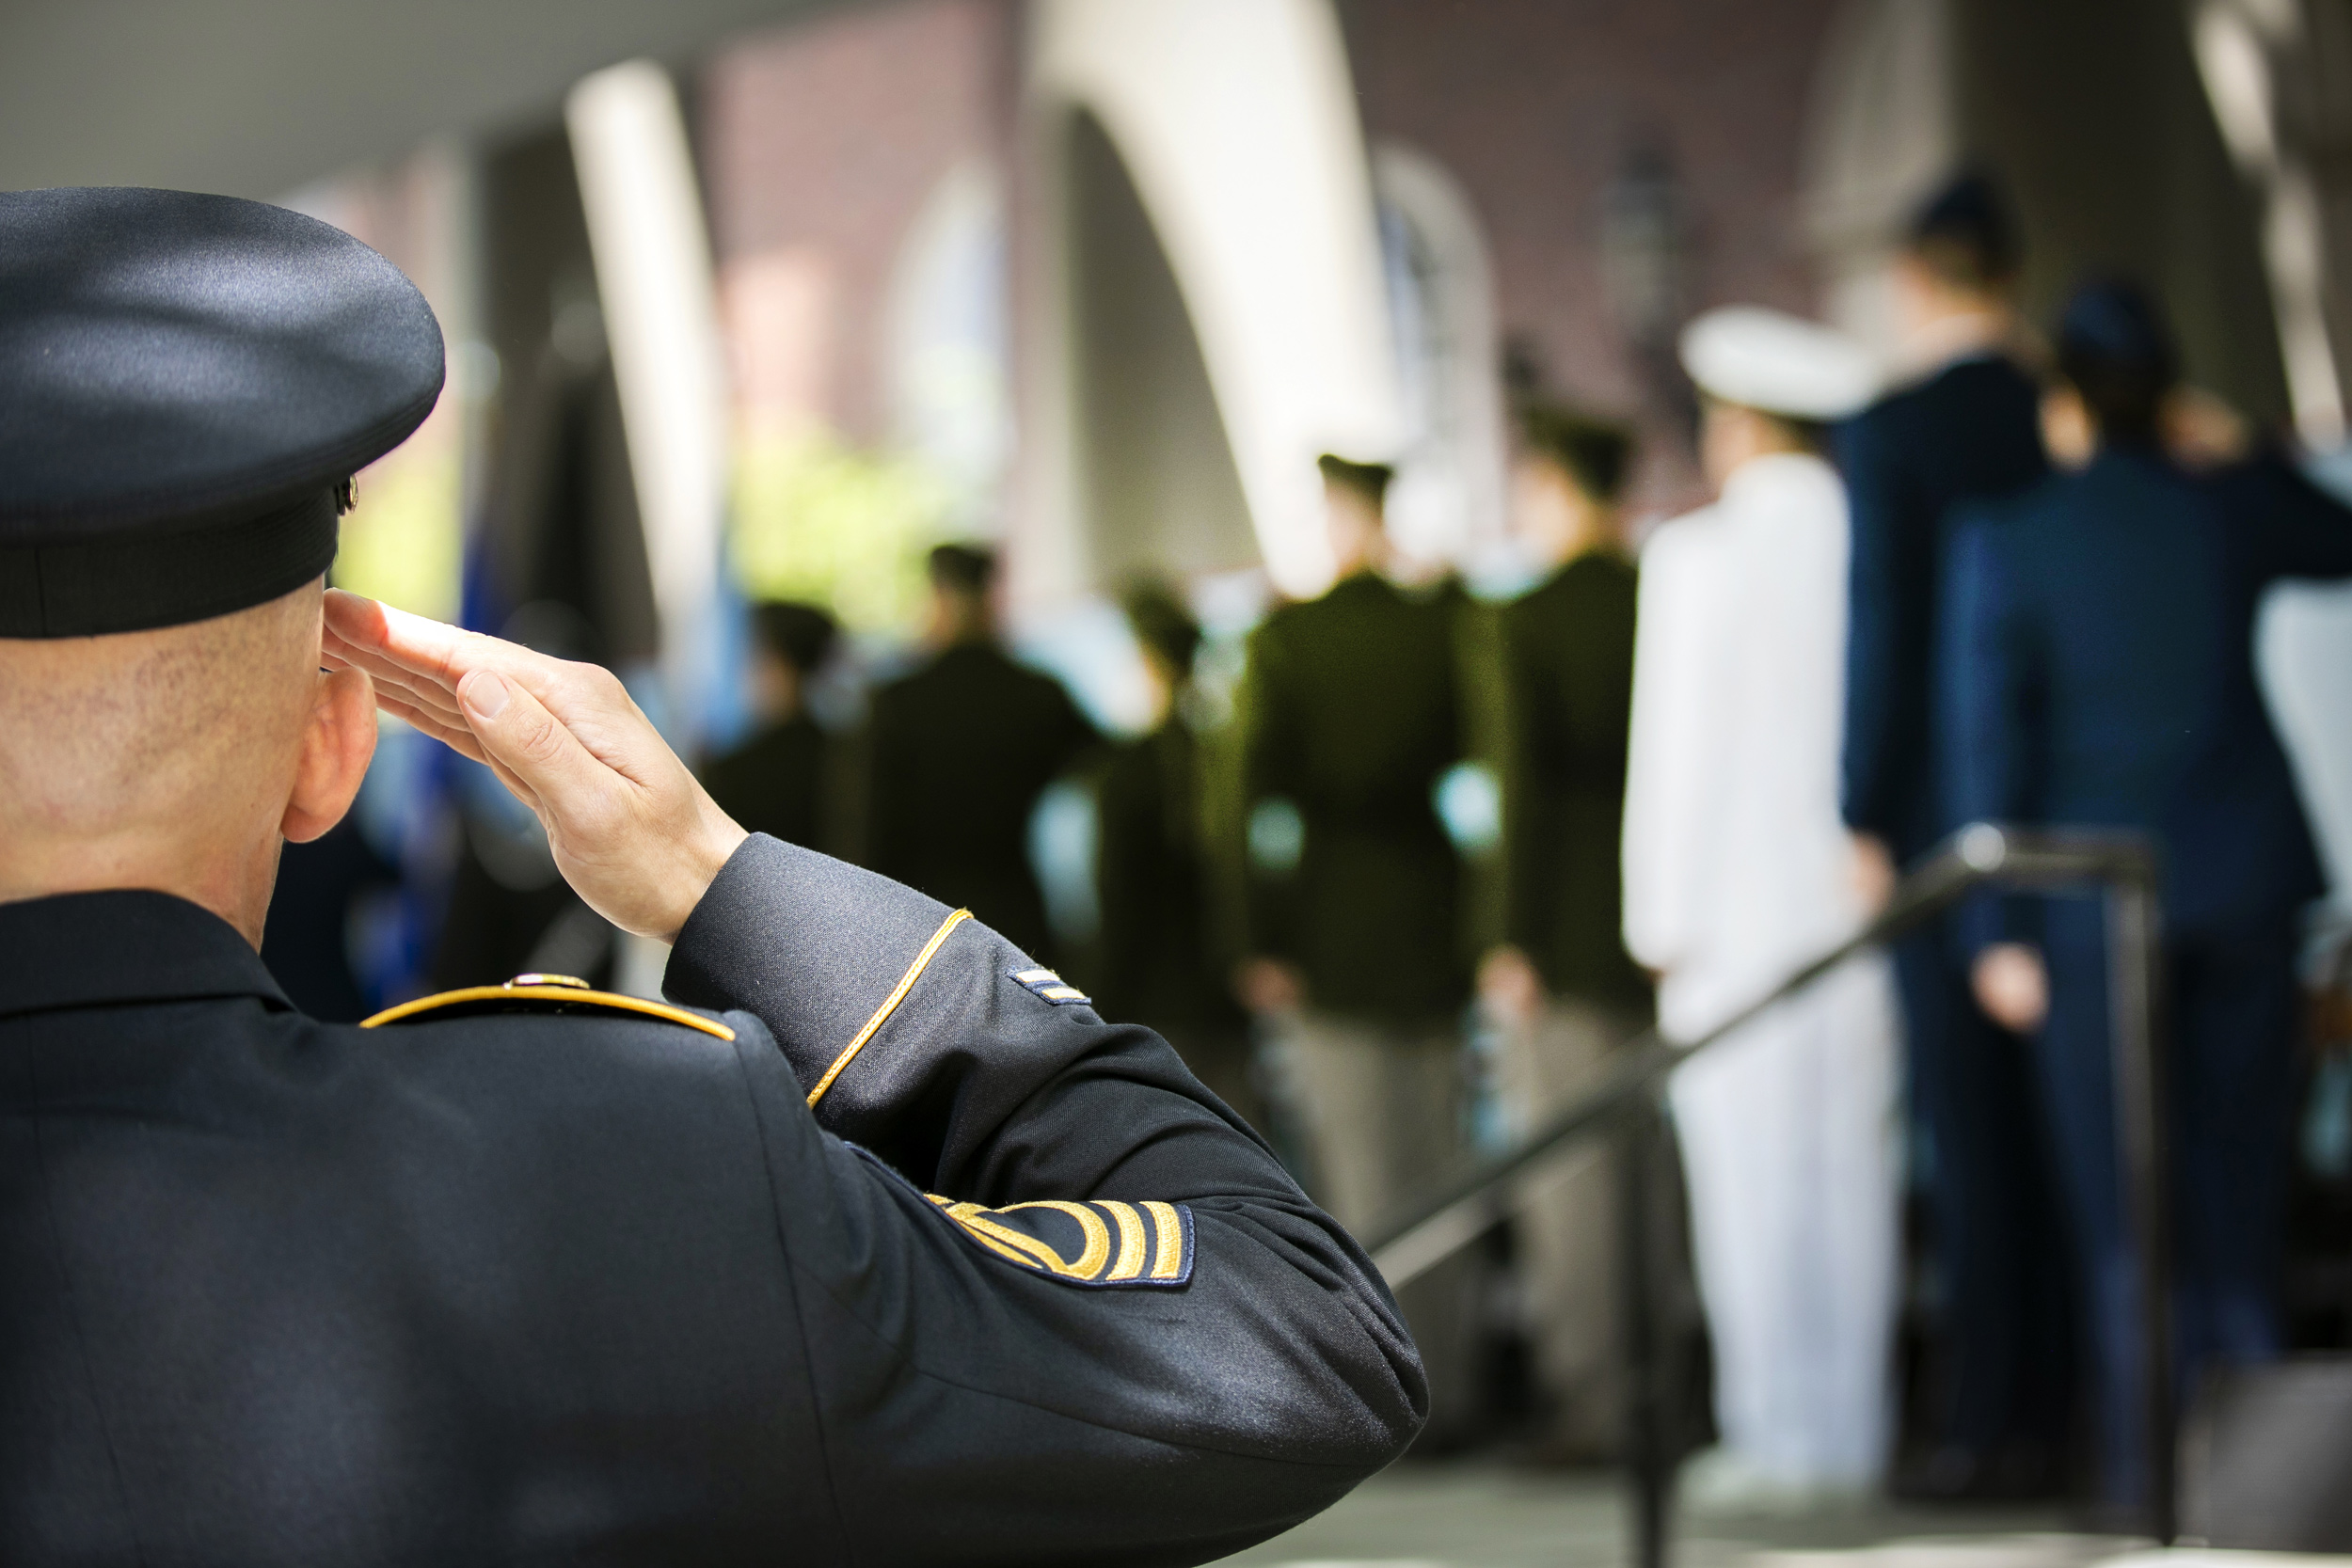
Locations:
2100 665
1962 428
873 1243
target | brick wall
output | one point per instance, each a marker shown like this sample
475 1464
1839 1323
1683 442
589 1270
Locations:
1534 106
821 141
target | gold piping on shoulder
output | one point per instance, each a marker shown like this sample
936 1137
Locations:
573 994
890 1004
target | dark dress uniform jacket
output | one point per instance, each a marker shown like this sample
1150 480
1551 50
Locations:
774 783
2100 670
962 749
1352 713
611 1289
1568 668
1969 434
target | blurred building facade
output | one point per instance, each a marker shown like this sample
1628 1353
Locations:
1094 279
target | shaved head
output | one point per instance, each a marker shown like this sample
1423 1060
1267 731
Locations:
175 759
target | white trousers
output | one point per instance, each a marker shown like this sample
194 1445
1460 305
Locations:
1788 1135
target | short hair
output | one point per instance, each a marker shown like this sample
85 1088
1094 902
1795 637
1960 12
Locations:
2116 350
802 635
1162 623
1595 453
1368 479
1965 235
962 568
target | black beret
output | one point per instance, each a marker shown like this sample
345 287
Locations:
185 382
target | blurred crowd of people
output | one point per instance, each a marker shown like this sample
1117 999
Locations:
2014 579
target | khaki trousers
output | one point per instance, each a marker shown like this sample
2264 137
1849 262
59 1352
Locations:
1567 1232
1380 1110
1381 1107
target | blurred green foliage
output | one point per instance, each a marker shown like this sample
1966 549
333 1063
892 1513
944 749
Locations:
403 541
817 519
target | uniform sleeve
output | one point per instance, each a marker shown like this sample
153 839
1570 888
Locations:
1883 680
1130 824
1268 767
1990 707
1060 1307
1672 769
2301 531
1075 734
1532 739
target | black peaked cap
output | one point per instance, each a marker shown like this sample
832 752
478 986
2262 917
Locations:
184 381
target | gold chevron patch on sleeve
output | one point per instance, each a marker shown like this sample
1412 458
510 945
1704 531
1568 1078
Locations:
1100 1244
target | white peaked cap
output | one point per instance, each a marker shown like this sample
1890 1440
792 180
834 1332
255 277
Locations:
1779 363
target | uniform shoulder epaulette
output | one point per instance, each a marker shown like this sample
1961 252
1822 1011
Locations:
541 994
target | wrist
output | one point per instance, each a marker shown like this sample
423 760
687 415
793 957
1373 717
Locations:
707 849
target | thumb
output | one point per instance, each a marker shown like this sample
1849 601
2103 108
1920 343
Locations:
524 739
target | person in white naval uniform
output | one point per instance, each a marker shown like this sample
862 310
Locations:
1736 870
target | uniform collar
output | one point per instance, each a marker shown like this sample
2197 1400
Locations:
1777 471
1956 340
76 949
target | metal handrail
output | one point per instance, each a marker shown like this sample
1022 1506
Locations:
1978 855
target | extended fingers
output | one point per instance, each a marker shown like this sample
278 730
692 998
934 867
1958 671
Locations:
519 732
338 654
461 740
434 653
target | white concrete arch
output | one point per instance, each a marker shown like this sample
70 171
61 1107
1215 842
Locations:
1236 121
1448 504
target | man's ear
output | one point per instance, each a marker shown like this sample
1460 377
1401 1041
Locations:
336 748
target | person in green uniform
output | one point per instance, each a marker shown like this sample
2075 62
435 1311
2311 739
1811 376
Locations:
1154 964
1350 714
1561 984
774 783
959 751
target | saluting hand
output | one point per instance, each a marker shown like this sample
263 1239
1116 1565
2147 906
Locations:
633 832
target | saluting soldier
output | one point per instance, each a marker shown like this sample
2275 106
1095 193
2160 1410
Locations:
873 1243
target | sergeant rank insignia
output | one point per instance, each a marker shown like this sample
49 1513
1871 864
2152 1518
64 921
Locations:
1050 987
1100 1245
